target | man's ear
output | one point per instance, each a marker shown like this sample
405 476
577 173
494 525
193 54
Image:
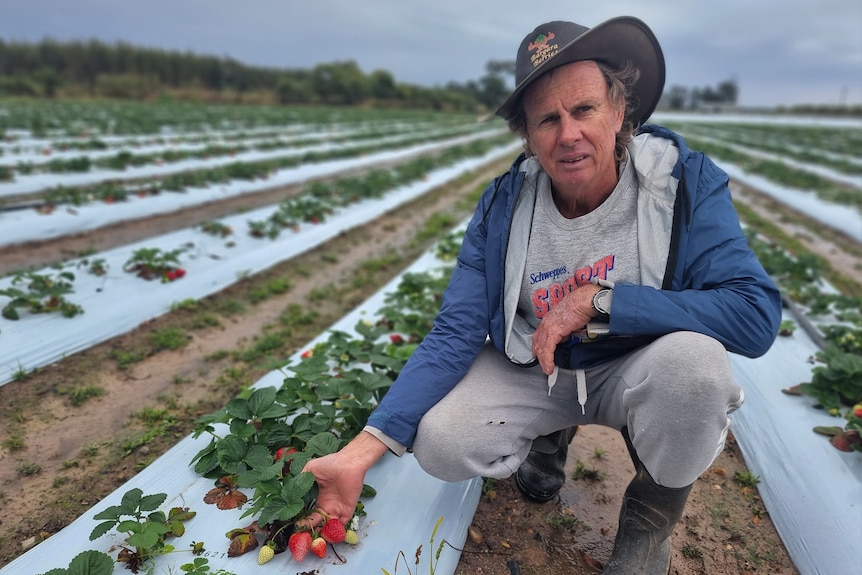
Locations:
621 116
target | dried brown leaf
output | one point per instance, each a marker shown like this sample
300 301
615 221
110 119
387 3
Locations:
242 542
214 495
232 500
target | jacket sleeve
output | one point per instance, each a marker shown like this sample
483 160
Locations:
449 349
719 287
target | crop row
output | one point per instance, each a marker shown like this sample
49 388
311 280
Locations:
51 158
841 138
91 119
155 179
781 173
840 163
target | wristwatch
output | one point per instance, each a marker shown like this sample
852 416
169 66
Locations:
602 304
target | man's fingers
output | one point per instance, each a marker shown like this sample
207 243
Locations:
547 363
311 521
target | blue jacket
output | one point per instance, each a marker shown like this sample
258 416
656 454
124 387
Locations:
698 274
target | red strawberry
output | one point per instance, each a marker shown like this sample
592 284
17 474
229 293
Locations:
281 453
857 410
396 339
318 547
307 353
284 451
299 544
333 531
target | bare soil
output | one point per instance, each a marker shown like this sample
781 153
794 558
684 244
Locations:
75 431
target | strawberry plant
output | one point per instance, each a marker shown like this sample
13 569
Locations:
200 566
147 528
786 328
269 434
40 293
215 228
97 267
264 229
839 382
154 263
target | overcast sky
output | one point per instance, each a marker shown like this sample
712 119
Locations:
780 52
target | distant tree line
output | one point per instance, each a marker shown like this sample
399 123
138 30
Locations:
682 98
95 69
50 69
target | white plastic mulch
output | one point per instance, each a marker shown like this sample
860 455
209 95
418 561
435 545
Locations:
812 491
846 219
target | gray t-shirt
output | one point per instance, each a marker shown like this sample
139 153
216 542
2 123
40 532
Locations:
566 253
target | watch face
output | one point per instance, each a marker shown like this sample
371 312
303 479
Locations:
600 301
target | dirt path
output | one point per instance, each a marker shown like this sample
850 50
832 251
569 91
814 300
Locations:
75 431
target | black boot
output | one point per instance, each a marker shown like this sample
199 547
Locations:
542 474
648 516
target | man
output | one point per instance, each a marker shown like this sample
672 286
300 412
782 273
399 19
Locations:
609 269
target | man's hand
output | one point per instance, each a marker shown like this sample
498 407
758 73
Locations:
341 475
569 315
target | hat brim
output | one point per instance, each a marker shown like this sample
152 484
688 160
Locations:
615 42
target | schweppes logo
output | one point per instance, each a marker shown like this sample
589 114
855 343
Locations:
543 48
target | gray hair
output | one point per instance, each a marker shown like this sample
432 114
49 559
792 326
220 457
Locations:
620 83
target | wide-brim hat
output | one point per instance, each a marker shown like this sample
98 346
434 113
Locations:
614 42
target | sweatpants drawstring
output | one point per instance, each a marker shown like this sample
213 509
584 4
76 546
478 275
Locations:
581 377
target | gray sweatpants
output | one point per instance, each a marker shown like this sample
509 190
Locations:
674 395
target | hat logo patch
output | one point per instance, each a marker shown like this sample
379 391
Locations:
543 48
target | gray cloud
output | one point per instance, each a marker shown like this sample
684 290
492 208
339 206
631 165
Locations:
780 52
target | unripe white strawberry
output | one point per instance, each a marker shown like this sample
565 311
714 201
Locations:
265 554
351 537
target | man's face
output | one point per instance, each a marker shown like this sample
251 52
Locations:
571 128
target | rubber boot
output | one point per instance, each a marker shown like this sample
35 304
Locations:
648 516
541 476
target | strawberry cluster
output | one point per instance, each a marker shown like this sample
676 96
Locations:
331 532
174 274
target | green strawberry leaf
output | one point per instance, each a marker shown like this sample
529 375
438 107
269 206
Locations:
242 428
261 399
129 526
101 529
149 535
368 491
130 502
112 512
239 408
322 444
90 562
